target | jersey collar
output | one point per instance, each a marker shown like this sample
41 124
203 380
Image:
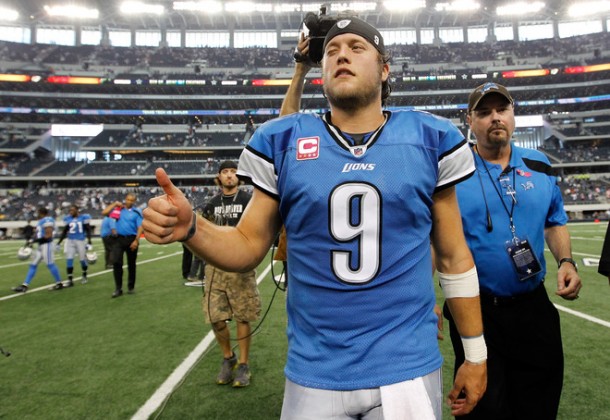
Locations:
345 143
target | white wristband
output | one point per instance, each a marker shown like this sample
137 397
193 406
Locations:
475 349
460 285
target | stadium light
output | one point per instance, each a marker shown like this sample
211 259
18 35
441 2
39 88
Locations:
247 7
310 7
287 8
519 8
8 14
589 8
209 6
404 6
354 6
77 12
138 7
458 6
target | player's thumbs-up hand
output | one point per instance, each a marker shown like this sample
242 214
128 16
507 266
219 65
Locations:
168 217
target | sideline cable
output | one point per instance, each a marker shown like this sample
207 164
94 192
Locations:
254 332
260 323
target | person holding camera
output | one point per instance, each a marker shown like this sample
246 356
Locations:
361 192
290 105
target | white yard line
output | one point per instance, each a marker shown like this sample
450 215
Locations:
167 387
583 316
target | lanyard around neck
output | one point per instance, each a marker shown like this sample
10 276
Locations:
513 195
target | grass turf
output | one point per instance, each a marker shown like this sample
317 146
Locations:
77 353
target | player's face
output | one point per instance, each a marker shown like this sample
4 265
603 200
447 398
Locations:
353 72
228 178
73 211
493 121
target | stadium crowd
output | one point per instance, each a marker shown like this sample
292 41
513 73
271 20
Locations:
560 50
231 129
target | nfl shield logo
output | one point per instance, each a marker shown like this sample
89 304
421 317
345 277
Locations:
358 150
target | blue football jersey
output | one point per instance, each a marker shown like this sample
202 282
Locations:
76 226
42 224
358 222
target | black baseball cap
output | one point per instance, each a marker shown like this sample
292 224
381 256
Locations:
485 89
354 25
227 164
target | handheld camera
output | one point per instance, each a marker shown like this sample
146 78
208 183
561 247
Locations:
315 27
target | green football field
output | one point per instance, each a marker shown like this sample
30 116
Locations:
78 354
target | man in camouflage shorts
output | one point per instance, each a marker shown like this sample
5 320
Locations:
230 295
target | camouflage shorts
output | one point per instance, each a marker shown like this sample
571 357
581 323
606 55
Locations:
230 295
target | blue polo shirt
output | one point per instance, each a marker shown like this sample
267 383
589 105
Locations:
129 221
539 205
108 223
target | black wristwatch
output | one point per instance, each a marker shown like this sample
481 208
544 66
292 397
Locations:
568 260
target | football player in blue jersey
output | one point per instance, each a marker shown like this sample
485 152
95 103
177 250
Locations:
77 228
361 192
43 236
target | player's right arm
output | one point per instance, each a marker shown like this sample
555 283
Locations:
169 218
64 233
461 288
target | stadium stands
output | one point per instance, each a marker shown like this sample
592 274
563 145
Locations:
154 118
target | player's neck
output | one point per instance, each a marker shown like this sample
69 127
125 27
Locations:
362 120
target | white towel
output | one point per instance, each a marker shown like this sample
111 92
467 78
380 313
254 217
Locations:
406 400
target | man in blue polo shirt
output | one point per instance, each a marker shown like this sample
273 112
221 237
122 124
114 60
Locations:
128 229
509 207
